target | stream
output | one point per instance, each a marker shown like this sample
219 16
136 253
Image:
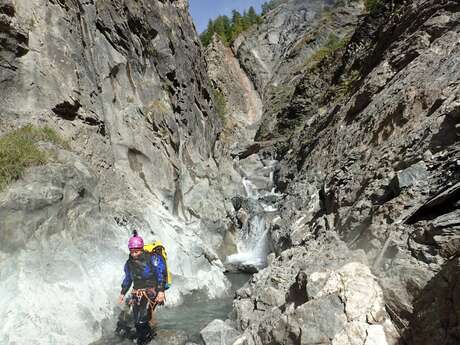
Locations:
177 325
255 211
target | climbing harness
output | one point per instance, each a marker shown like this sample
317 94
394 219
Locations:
139 293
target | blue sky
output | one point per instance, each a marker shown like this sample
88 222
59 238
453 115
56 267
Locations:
203 10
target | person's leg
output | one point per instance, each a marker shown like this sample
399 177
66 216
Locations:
151 315
152 320
125 321
142 321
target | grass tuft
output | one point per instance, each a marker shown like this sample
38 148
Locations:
333 44
19 150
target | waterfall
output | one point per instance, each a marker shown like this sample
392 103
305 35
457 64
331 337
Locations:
255 214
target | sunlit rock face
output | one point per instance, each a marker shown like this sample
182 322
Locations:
124 83
320 294
243 106
271 52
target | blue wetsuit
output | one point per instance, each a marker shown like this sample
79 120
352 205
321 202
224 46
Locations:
147 272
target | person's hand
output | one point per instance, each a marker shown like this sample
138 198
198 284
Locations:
121 299
160 299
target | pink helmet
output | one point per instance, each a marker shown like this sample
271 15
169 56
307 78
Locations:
135 242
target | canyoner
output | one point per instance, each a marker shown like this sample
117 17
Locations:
146 271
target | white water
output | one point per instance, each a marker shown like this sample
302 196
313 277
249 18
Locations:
253 240
252 246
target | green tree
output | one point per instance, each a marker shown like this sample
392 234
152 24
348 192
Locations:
206 35
229 28
236 17
252 15
245 21
222 27
265 8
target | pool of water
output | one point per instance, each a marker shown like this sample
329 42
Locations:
192 316
197 310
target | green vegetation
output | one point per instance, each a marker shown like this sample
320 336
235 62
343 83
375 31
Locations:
220 104
229 28
346 86
332 45
348 82
372 5
19 150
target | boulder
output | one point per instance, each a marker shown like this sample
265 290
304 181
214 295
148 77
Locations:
219 333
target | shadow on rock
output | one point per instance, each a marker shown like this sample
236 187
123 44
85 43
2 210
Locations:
297 293
436 316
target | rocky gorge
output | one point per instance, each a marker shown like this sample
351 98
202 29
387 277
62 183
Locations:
360 109
333 171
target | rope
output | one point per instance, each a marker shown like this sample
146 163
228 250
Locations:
139 293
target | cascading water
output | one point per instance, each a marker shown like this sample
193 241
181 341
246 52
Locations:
255 213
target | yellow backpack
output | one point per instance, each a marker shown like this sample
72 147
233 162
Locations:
158 248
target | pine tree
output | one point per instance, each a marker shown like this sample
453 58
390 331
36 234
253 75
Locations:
229 28
252 15
236 16
206 35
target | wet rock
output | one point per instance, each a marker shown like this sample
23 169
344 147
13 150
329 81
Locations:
241 267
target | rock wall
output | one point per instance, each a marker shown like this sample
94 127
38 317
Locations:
117 79
243 106
367 140
125 83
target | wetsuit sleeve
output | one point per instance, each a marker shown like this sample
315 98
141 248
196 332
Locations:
127 281
160 271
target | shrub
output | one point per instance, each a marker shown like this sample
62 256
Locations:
19 150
